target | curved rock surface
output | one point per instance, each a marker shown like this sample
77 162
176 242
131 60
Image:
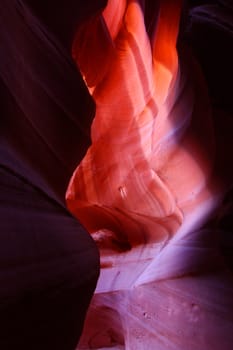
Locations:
148 186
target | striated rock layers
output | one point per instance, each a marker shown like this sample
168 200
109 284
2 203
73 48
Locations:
148 186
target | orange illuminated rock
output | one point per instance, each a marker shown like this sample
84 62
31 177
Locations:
145 186
146 169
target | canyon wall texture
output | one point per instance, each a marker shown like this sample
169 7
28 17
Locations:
152 183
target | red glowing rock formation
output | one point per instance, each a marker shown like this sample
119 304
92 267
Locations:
146 186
